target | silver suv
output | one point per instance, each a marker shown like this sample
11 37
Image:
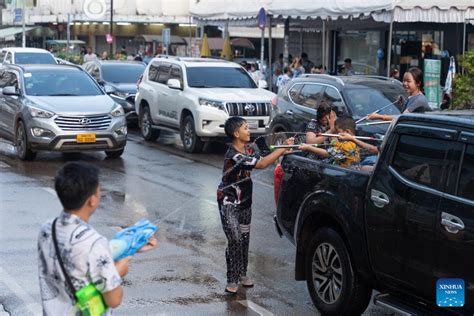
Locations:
195 96
58 108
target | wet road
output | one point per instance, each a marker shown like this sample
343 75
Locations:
158 181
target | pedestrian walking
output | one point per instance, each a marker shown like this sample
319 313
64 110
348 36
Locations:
234 197
74 259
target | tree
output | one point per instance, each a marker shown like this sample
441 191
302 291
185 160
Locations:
463 88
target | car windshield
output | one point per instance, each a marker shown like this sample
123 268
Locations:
34 58
50 82
219 77
122 73
363 101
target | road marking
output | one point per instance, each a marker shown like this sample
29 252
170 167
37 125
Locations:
16 289
256 308
4 165
49 190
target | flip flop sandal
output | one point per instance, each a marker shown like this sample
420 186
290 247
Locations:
231 288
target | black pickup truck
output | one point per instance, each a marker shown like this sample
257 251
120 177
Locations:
405 230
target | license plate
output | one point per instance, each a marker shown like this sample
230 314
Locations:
85 138
252 124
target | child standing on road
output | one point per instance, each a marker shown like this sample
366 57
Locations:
346 151
234 197
85 255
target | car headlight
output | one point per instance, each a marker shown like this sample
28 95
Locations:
35 112
120 94
215 104
117 111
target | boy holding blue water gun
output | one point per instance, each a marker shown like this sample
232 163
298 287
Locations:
76 269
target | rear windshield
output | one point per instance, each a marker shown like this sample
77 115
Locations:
60 83
219 77
122 73
363 101
34 58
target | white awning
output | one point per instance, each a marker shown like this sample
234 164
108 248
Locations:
209 10
437 11
10 31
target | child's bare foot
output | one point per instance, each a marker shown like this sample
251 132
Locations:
231 288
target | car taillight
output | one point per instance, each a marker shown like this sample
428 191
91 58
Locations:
274 102
139 81
277 175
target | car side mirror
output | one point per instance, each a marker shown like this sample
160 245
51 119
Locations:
262 84
109 89
174 84
10 90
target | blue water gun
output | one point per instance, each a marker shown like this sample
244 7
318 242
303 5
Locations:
127 241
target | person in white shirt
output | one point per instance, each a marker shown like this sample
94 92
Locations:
84 252
90 55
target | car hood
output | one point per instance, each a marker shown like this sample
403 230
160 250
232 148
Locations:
130 88
235 94
74 105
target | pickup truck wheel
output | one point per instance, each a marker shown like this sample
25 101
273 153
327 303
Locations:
22 146
191 142
146 123
334 285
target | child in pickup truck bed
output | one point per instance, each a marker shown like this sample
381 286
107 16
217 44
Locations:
346 150
234 197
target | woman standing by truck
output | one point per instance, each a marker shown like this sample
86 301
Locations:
417 102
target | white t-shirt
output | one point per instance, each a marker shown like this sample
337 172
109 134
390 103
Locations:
90 57
86 257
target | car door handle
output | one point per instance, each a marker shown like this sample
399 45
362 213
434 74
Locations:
289 112
451 223
379 198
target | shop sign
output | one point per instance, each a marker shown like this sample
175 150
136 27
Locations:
432 73
109 38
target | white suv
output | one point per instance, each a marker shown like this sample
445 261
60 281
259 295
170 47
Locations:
195 96
26 55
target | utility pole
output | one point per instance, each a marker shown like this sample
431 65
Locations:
23 35
111 27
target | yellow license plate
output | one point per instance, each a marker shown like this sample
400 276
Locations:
85 138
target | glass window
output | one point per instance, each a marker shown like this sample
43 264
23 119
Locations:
34 58
219 77
294 92
363 101
2 56
361 47
153 72
164 73
8 78
425 160
332 96
60 83
310 95
466 181
8 59
176 74
122 73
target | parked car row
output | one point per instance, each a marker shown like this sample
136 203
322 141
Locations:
193 96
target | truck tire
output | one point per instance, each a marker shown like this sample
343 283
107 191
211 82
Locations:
146 123
191 141
22 145
333 283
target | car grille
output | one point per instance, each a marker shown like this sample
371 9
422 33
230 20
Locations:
91 122
248 108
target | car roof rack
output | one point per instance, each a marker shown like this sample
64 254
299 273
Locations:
339 80
381 78
168 57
